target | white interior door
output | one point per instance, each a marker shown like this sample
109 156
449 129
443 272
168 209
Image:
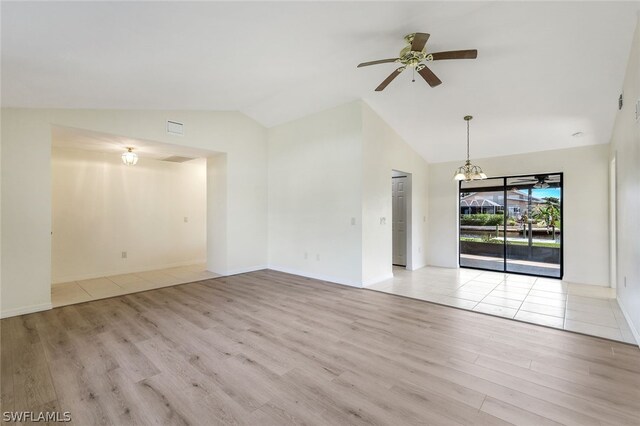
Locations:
399 220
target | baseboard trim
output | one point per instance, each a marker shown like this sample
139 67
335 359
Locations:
377 280
127 271
321 277
592 284
245 270
632 327
416 267
25 310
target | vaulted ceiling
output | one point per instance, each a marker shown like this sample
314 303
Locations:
545 70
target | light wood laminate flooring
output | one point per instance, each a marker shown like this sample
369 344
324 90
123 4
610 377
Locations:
268 348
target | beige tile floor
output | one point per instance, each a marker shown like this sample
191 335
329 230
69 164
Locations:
582 308
99 288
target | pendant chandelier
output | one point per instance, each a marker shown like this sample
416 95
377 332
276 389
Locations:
469 172
130 158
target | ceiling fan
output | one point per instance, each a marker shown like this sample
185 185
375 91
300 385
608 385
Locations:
413 54
538 181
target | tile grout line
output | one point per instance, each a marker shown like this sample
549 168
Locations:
620 319
615 319
114 282
525 297
462 285
592 324
82 288
504 282
587 321
490 291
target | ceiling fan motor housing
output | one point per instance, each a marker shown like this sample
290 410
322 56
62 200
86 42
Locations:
411 58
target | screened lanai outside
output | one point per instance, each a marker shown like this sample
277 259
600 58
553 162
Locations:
512 224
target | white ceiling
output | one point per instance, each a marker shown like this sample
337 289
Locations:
545 70
71 138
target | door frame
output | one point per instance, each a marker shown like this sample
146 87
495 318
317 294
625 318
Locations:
503 188
613 224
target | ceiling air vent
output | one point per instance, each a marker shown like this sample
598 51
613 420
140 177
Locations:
177 159
175 128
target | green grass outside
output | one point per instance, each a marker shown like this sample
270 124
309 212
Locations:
514 243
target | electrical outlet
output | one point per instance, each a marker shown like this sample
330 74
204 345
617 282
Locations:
353 221
124 254
317 257
306 255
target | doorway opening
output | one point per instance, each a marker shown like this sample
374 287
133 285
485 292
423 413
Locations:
513 224
119 226
401 218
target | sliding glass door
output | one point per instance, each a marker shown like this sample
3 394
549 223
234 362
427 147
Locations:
512 224
535 205
481 221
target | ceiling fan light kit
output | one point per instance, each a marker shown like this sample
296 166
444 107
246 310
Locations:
469 171
129 158
414 54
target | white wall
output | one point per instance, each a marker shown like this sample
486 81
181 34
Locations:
625 146
26 187
217 258
383 151
329 185
100 208
315 181
585 224
26 215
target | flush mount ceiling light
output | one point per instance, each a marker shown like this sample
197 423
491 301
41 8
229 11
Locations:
129 158
469 172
